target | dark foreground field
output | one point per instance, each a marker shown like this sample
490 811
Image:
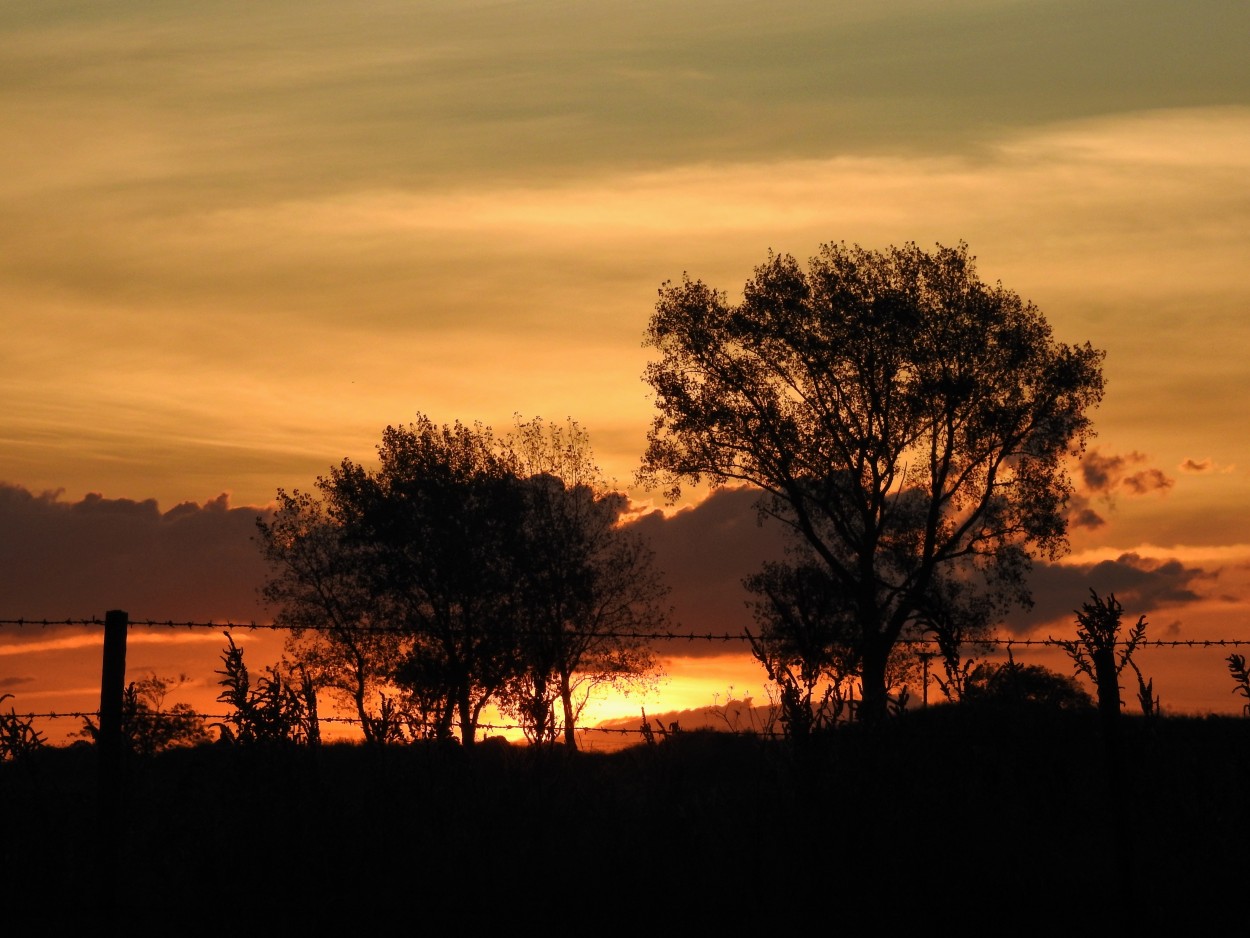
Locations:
939 821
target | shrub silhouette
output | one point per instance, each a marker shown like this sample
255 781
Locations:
1024 685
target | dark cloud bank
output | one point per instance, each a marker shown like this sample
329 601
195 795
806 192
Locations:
196 562
75 560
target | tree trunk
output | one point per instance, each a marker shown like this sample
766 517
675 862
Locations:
541 710
467 721
359 696
872 704
566 701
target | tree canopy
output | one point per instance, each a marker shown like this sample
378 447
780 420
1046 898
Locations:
908 422
464 570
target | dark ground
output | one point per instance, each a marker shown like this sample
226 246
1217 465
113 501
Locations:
1004 823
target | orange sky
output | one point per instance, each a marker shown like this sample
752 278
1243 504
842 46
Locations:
235 243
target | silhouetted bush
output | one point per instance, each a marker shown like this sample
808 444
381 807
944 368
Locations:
1012 686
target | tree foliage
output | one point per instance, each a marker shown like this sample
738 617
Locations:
464 570
908 422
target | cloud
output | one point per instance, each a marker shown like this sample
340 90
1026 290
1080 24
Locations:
471 211
484 297
1101 473
1141 584
1081 515
1204 466
1146 481
705 552
1102 476
76 560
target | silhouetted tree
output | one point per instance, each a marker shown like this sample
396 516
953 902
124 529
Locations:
439 521
465 570
320 584
588 590
909 423
403 577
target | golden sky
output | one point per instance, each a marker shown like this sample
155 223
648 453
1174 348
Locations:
237 240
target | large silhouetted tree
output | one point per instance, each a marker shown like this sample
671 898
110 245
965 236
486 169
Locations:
908 422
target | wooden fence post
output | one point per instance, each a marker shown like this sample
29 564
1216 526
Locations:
112 686
110 751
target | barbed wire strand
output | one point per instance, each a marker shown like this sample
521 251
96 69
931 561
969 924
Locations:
212 718
231 626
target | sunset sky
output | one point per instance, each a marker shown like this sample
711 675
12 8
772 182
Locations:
238 240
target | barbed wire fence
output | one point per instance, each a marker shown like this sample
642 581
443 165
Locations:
113 665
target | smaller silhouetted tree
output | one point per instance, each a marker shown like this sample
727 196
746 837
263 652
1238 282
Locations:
438 519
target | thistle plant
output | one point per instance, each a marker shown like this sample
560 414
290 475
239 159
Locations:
1237 668
18 737
276 709
1093 652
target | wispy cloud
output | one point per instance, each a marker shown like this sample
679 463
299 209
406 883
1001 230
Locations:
93 640
1206 466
